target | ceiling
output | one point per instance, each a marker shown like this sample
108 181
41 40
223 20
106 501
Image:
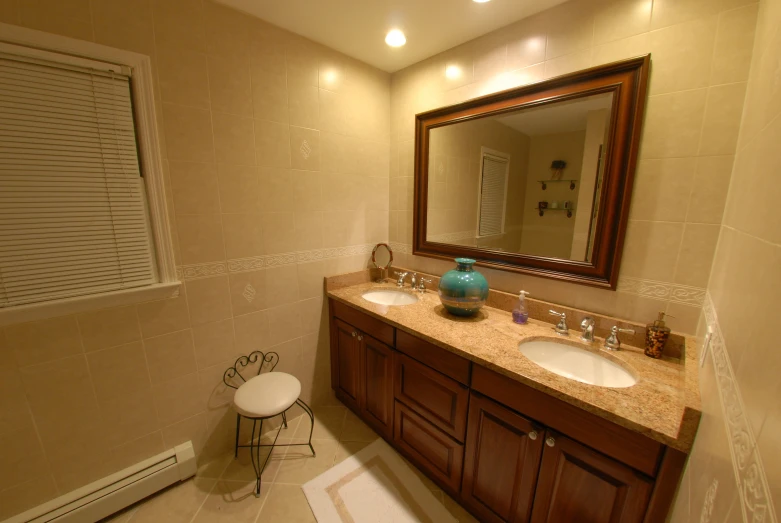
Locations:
560 117
357 28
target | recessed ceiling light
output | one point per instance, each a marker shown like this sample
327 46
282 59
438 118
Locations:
395 38
452 72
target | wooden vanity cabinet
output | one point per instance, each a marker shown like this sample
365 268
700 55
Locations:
504 450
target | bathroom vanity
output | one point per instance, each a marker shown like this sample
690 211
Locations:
506 438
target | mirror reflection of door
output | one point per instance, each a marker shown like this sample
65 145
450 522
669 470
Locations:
494 174
498 183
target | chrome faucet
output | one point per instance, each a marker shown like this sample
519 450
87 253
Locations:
588 330
413 280
561 328
400 280
421 288
612 342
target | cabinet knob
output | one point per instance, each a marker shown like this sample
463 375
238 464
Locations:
354 334
533 435
550 442
360 338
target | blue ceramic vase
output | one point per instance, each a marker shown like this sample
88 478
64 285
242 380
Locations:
463 290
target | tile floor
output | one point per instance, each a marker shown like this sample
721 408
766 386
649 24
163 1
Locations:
223 490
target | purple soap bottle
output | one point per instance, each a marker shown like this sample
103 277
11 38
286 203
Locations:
520 314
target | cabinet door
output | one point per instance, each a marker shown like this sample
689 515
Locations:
346 373
503 452
377 376
579 484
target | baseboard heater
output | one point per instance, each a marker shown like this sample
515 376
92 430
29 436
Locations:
106 496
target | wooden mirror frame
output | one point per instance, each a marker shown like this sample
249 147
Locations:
627 81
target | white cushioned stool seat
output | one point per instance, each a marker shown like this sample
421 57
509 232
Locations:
266 395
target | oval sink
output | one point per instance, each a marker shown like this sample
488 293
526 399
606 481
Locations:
389 297
577 364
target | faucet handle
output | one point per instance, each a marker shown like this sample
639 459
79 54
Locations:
612 342
561 327
422 284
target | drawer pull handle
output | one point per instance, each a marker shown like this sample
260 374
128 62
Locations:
533 435
354 334
550 442
360 338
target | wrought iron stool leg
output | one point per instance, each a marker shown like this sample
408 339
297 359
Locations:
284 420
238 426
311 415
254 454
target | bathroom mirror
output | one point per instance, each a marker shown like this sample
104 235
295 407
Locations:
536 179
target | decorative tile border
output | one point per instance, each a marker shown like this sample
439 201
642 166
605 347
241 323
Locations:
201 270
206 270
662 291
403 248
750 474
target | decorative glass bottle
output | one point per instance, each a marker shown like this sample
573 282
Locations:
463 290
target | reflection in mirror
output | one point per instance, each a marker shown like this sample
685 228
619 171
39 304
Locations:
526 181
382 258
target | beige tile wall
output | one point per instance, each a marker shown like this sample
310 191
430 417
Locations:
272 145
742 417
700 54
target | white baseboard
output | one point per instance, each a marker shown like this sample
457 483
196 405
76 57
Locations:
111 494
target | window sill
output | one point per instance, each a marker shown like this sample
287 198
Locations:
51 309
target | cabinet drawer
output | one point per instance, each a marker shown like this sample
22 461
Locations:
430 449
618 442
445 362
441 400
363 322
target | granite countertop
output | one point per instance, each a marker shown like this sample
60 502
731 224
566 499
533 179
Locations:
664 404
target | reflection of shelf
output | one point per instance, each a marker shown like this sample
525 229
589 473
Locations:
546 182
543 211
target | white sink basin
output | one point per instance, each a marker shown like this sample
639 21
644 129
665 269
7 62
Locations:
577 364
389 297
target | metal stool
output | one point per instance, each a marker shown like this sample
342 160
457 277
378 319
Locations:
264 396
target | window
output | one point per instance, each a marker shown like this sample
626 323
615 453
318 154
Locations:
76 226
493 192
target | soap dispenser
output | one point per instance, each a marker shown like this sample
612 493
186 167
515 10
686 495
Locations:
520 314
656 335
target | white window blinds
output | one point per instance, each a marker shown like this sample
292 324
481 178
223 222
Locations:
73 220
493 184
